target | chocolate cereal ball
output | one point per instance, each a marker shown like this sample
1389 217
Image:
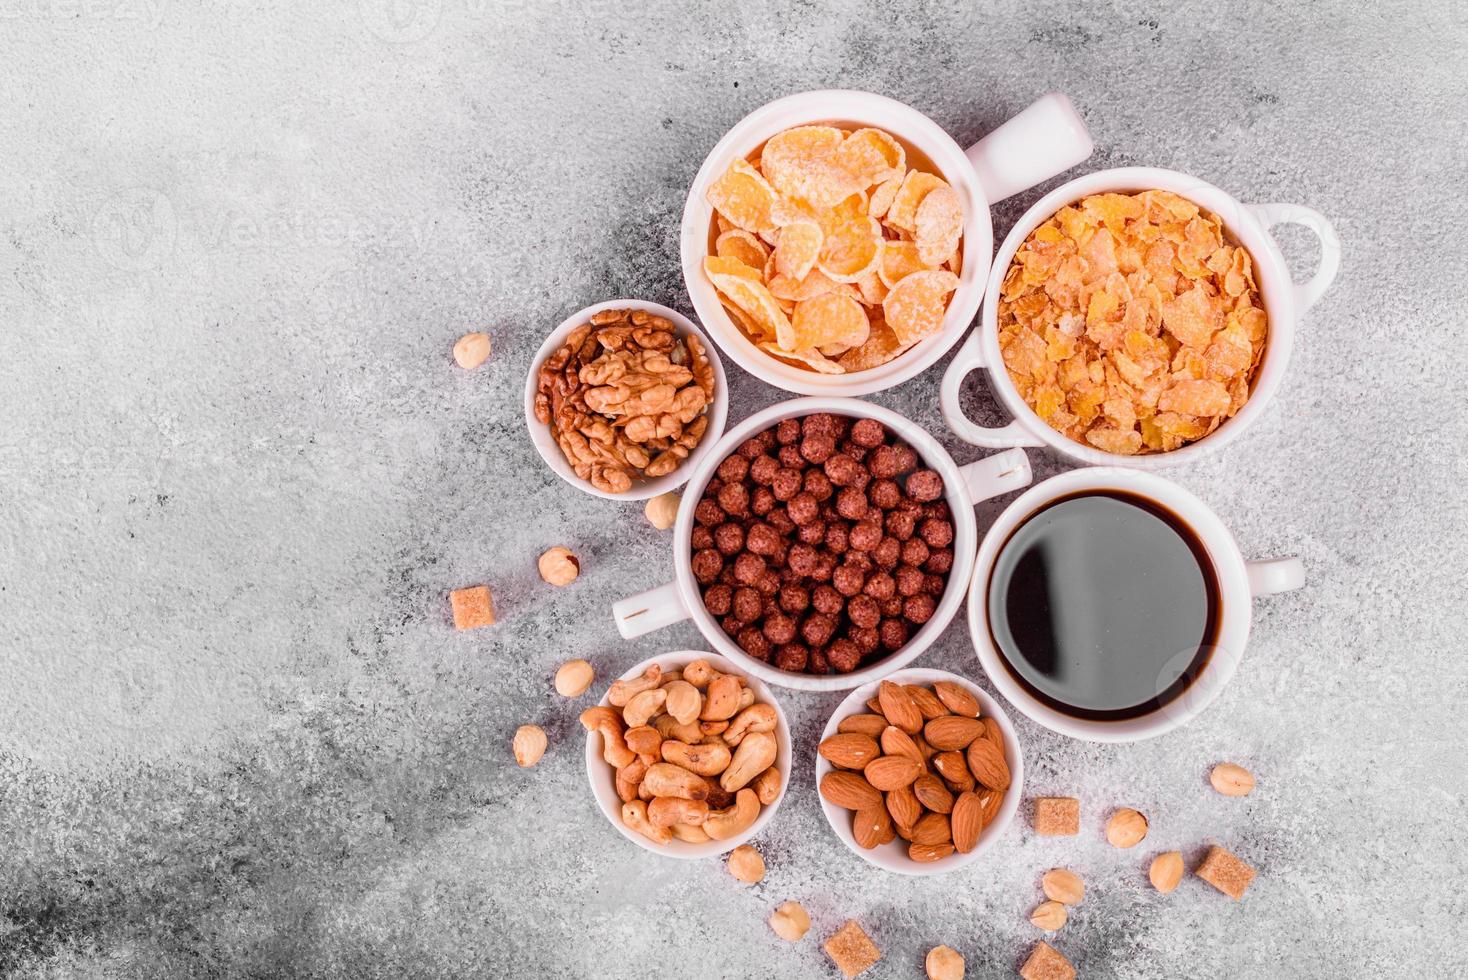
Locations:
868 433
706 565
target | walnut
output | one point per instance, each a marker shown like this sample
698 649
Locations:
625 396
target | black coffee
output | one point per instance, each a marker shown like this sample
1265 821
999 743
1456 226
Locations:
1104 605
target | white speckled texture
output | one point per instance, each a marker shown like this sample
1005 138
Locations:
240 472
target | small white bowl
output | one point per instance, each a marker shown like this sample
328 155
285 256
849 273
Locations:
603 776
642 488
893 856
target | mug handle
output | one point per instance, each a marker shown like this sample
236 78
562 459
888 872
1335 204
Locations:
993 475
1307 294
1035 145
969 358
645 612
1269 576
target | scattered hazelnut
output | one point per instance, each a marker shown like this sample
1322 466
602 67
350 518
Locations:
1063 886
472 350
559 567
1231 780
1049 916
574 677
1126 828
944 963
529 745
746 864
662 510
790 922
1166 871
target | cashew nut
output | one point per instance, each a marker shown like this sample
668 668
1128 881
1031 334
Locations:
683 701
669 727
723 698
746 697
644 739
755 718
666 779
767 785
624 691
634 815
644 792
628 778
700 673
706 760
713 727
614 747
665 811
755 754
723 824
640 710
690 834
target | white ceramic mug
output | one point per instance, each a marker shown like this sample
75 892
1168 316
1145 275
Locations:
1239 581
964 486
1248 224
1037 144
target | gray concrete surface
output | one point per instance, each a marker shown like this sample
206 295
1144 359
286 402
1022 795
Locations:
240 472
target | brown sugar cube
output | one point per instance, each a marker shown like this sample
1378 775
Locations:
852 950
1225 872
473 607
1057 816
1047 963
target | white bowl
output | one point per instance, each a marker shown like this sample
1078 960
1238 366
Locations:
1248 224
893 856
1041 141
963 487
603 777
642 488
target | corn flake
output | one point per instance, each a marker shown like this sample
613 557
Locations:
744 197
937 225
799 245
740 245
915 306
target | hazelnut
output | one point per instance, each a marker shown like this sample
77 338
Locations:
746 864
1126 828
559 567
472 350
790 922
662 510
529 745
1049 916
574 677
943 962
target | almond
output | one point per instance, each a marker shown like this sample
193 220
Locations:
1049 916
1063 885
898 707
871 826
849 750
927 702
986 762
892 771
897 742
1126 828
905 809
954 770
992 731
926 853
966 821
1166 871
931 793
957 699
875 707
932 828
952 732
849 790
868 725
1231 780
991 800
926 750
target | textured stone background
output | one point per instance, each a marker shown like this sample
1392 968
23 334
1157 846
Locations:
239 473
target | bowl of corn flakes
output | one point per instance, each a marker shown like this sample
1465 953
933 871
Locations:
837 243
1138 316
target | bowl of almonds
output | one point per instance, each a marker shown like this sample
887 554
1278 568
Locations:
623 396
919 773
687 757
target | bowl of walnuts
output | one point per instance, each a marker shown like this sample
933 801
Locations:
623 397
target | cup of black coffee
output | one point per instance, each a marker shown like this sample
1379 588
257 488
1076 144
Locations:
1112 605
